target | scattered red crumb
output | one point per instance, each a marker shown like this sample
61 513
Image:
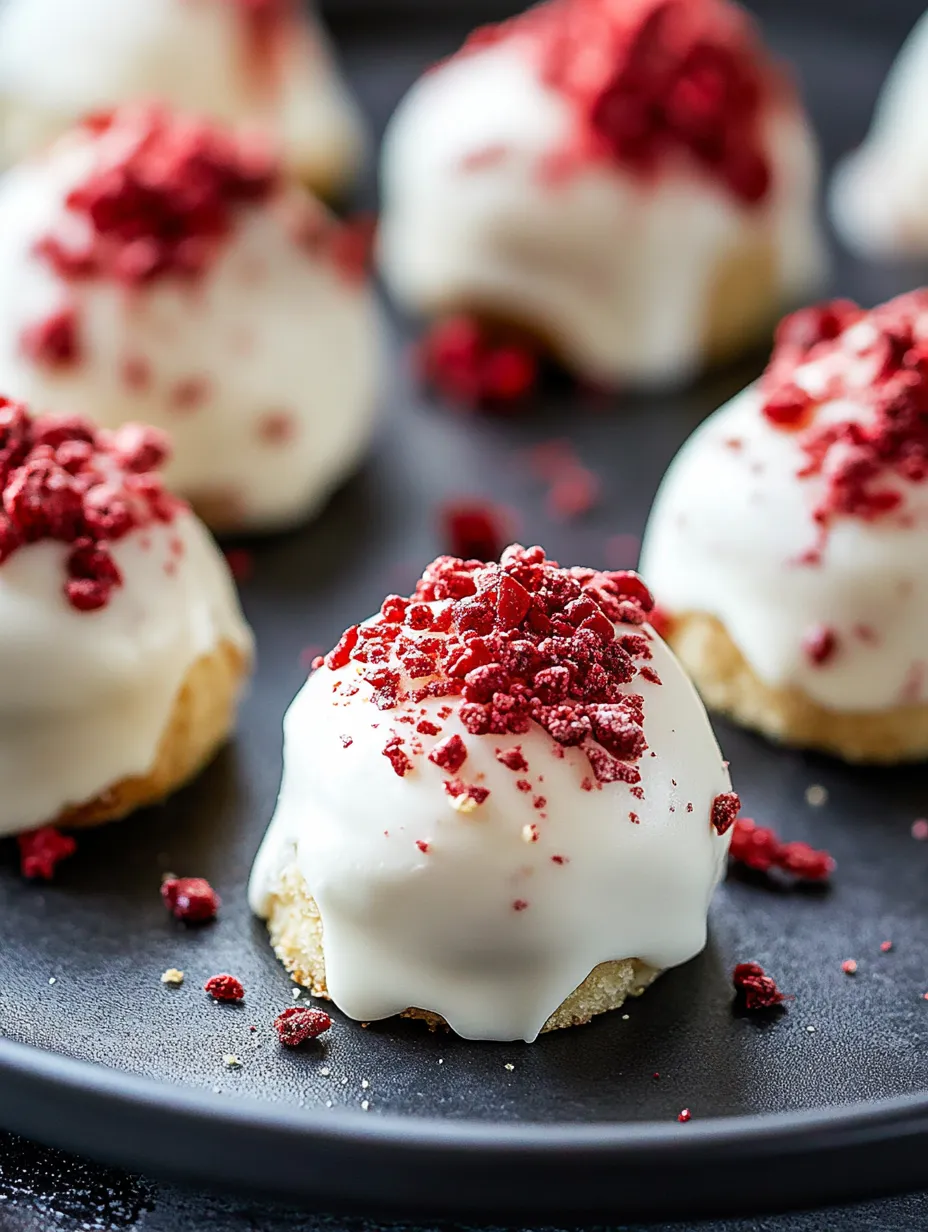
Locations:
277 427
684 1116
241 563
761 849
849 966
347 741
53 487
573 493
161 201
224 988
758 991
136 373
299 1023
458 359
393 752
920 829
725 809
456 788
449 754
42 850
54 341
519 905
820 644
886 946
422 845
670 84
190 393
474 530
560 860
858 461
191 899
634 819
512 759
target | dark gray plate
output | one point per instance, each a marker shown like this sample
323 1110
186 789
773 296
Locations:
827 1101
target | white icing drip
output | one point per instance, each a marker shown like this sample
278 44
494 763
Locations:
438 929
60 60
728 528
618 271
85 696
879 195
270 329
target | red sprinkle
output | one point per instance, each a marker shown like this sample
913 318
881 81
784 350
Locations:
224 988
42 850
459 360
759 848
820 644
725 809
886 946
474 530
191 899
54 341
299 1023
393 751
757 990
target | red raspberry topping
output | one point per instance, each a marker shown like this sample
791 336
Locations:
224 988
820 644
474 530
757 990
859 461
725 809
525 642
463 363
654 82
449 754
161 200
41 851
63 479
759 848
191 899
299 1023
54 341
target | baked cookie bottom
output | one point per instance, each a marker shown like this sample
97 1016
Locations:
296 935
787 715
200 722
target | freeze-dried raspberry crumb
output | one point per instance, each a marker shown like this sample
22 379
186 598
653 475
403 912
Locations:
849 966
683 1116
42 850
393 751
759 848
725 809
299 1023
820 645
459 790
224 988
191 899
458 358
54 341
474 530
757 990
449 754
512 759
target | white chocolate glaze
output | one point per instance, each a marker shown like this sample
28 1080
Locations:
439 929
729 527
60 60
282 345
618 271
879 194
86 696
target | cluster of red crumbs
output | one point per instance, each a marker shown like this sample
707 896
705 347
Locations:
160 200
756 989
42 850
299 1023
63 479
474 529
225 988
759 848
191 899
882 366
464 363
656 81
510 645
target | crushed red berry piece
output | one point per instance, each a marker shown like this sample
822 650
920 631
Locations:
512 759
820 645
474 530
757 990
224 988
759 848
393 751
683 1116
459 790
159 202
725 809
849 966
299 1023
449 754
54 341
42 850
459 360
191 899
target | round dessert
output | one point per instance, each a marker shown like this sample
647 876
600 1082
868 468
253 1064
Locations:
503 807
122 646
788 546
157 269
879 194
632 183
260 64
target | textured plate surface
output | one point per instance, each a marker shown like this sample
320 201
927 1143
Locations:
566 1121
